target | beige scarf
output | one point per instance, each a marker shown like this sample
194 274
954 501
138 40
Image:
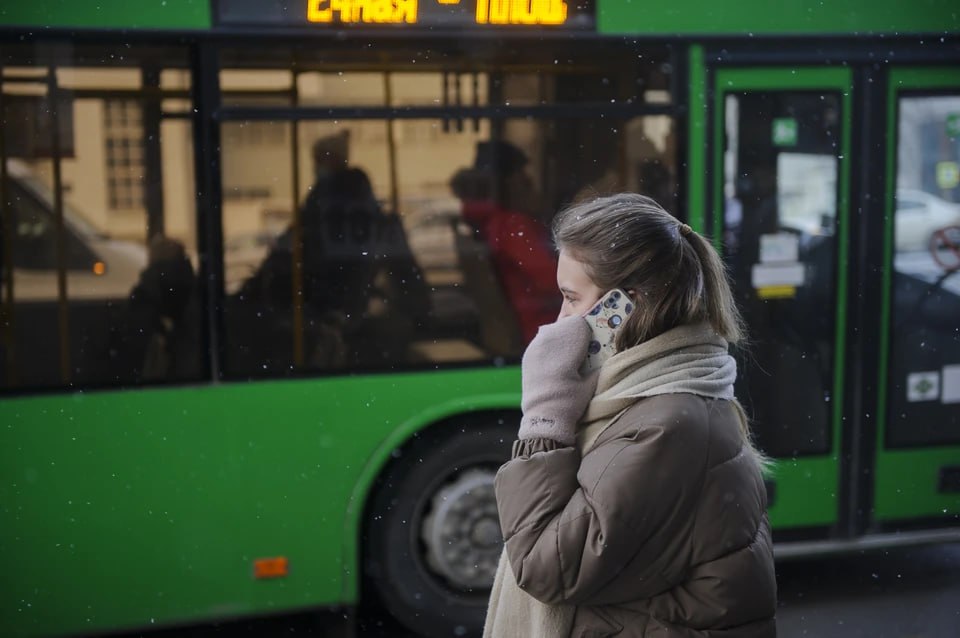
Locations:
690 359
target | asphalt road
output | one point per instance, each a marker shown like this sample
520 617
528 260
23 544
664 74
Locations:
900 593
903 593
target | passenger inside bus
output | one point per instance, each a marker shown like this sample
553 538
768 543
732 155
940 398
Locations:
498 198
164 315
362 291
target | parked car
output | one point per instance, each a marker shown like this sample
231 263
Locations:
919 215
101 272
98 266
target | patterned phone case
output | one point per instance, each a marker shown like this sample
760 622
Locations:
604 319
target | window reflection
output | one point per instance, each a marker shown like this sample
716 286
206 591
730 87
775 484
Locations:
420 243
127 310
925 345
439 252
337 286
498 206
349 244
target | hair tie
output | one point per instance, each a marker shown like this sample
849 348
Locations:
685 230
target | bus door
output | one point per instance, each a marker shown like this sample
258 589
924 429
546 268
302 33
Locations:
781 144
918 444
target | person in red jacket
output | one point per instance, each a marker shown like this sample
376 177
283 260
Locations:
498 197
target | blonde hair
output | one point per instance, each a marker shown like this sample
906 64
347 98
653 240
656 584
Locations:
629 241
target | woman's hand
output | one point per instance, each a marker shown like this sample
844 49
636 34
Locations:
555 395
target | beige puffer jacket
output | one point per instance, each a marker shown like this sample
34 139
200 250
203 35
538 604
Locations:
659 530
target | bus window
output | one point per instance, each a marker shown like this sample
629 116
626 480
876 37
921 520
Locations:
924 373
377 242
418 246
120 306
394 264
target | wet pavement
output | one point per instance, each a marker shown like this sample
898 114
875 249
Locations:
899 593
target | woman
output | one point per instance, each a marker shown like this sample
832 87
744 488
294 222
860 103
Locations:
634 503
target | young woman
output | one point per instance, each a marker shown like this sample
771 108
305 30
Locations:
634 503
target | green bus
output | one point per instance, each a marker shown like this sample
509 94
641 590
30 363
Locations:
268 269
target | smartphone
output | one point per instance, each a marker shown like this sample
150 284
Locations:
605 319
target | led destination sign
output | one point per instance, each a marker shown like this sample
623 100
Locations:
455 14
397 11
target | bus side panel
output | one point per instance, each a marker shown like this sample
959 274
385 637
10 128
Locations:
911 484
139 508
109 14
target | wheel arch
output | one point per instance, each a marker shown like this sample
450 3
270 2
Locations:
439 417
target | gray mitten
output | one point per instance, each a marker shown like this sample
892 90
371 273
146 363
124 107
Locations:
555 395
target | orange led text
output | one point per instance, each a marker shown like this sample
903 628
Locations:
521 11
371 11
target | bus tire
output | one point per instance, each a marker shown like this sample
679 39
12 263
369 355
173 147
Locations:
432 533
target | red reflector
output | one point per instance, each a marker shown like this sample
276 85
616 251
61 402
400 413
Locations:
270 567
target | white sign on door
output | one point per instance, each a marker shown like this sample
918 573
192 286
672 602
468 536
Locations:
923 386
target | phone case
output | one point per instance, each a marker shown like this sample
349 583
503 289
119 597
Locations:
604 319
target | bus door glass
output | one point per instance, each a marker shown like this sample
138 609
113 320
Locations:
780 206
918 448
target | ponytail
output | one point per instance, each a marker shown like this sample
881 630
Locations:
721 309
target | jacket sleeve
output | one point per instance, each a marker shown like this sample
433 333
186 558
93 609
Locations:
583 533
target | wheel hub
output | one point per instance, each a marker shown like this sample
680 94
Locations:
462 531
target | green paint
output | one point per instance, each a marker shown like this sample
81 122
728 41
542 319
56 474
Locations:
791 78
138 508
797 503
791 17
906 485
806 492
108 14
697 144
843 82
906 479
719 136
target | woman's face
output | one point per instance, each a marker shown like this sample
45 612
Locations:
578 290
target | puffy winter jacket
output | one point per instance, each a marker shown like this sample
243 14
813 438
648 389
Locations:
659 530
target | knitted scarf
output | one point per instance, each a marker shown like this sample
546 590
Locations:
689 359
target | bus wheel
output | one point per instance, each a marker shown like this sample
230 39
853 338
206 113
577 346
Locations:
433 534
